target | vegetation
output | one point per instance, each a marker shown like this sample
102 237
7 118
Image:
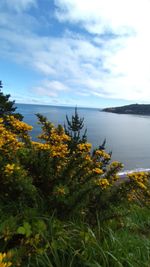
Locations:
7 107
73 129
64 205
140 109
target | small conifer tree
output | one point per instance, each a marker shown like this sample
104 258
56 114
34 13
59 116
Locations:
7 106
73 129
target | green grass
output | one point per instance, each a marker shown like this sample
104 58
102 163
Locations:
124 243
118 242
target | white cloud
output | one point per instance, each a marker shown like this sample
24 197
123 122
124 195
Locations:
100 15
50 88
95 64
44 67
127 57
82 66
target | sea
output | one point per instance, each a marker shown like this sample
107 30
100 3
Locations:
127 136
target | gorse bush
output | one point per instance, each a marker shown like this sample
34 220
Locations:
47 184
16 183
70 181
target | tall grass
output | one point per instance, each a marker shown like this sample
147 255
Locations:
115 244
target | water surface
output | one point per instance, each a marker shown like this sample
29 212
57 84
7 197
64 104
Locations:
127 136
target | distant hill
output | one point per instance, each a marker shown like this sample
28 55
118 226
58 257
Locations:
140 109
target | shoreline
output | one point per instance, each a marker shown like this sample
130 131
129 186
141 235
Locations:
134 170
123 174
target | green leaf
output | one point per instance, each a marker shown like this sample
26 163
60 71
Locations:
41 226
21 230
25 229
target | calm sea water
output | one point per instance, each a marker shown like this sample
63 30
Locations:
127 136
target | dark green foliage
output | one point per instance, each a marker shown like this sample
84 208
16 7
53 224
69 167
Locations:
46 126
7 106
104 161
74 128
140 109
18 188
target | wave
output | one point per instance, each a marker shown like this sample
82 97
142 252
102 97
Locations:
123 173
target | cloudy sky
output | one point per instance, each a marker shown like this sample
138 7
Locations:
75 52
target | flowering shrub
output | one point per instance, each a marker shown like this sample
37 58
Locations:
139 184
62 177
16 182
45 183
56 178
68 181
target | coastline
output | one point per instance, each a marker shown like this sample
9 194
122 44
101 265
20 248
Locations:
123 174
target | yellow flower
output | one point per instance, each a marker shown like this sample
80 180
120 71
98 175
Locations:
141 178
19 125
102 153
116 164
60 190
56 137
9 141
103 183
142 185
41 146
4 260
99 152
59 151
10 168
88 158
98 171
115 178
84 147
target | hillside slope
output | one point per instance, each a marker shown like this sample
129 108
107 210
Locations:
140 109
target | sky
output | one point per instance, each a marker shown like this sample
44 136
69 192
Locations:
75 52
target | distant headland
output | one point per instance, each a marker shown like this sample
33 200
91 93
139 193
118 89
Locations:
139 109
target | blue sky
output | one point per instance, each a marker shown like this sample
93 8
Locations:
75 52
